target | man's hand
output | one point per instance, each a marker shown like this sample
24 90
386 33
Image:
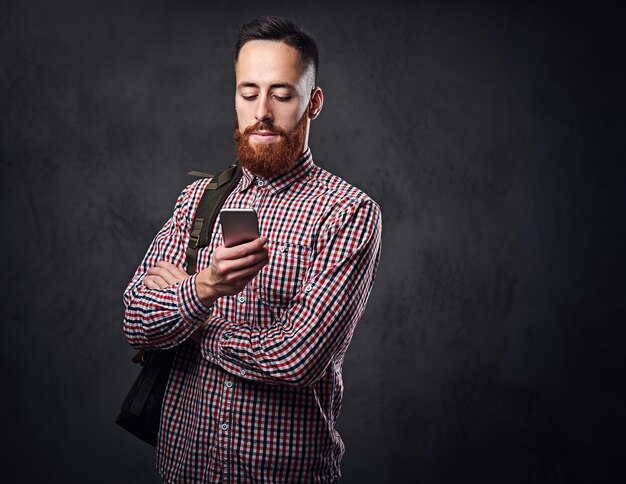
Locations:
163 275
231 269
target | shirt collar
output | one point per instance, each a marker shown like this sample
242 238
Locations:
280 182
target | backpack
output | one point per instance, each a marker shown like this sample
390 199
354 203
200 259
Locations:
141 409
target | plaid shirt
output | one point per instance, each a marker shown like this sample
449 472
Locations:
258 399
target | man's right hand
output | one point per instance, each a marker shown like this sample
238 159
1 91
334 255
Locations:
231 269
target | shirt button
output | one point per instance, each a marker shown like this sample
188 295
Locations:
229 384
241 299
308 288
282 248
260 183
243 372
224 426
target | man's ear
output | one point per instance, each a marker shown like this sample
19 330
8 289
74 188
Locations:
316 103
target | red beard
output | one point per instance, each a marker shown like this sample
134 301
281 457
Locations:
270 160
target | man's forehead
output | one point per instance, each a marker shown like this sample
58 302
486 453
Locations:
268 61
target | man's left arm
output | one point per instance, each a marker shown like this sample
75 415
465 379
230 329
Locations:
161 308
320 321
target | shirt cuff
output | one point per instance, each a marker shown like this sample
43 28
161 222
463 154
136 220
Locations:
189 305
215 334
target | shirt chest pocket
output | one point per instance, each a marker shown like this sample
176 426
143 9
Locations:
283 276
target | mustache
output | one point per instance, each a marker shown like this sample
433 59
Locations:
264 126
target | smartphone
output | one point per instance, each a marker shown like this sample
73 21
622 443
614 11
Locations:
239 225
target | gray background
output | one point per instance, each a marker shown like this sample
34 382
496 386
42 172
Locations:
492 135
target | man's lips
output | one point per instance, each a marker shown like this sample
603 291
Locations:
263 136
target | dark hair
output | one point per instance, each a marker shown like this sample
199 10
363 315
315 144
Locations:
283 30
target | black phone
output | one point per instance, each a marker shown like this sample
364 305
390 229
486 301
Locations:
239 225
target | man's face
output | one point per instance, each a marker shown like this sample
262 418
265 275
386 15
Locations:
272 99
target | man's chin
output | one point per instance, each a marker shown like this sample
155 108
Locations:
272 157
259 145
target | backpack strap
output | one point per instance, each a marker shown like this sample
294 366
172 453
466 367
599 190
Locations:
157 364
212 200
200 174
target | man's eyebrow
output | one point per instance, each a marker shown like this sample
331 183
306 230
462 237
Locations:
283 84
247 84
276 85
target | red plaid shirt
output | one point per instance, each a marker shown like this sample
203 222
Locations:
257 401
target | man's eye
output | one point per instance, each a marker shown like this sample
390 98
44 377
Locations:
249 98
282 99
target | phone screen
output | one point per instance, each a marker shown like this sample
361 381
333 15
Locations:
239 225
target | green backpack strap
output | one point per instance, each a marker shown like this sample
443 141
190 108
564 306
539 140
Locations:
212 200
141 409
200 174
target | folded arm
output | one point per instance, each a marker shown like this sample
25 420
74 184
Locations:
160 315
164 305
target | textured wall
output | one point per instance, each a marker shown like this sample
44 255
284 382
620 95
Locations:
491 133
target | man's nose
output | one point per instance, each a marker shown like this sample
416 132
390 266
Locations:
263 112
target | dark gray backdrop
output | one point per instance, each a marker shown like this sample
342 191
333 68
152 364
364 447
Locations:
491 133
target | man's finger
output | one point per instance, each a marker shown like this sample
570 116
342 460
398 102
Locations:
164 273
155 282
246 274
228 266
149 284
172 268
243 250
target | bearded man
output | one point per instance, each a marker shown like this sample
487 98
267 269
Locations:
261 329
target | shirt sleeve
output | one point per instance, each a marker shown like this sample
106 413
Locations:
320 322
164 318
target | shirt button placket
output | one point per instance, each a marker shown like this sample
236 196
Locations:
242 298
225 429
259 195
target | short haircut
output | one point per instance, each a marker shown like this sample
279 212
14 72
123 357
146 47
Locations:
282 30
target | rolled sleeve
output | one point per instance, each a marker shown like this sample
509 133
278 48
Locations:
191 308
218 331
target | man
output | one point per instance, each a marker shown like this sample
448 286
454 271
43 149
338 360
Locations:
262 327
